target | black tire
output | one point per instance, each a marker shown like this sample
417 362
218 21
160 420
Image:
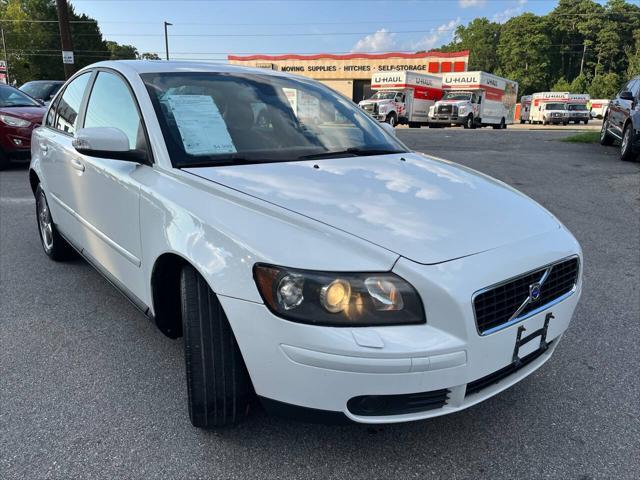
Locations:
564 124
414 125
218 384
626 145
522 122
605 137
54 246
469 122
392 119
586 122
436 125
544 121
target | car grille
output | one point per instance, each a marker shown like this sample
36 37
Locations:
503 304
497 376
447 109
378 405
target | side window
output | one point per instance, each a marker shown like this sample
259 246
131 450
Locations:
634 87
69 104
51 114
111 105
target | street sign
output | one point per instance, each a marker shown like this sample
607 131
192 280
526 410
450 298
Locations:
3 71
67 57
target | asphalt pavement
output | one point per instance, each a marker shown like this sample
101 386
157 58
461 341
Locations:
90 389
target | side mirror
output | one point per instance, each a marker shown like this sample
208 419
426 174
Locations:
626 95
106 142
388 128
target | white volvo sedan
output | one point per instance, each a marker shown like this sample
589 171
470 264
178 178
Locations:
302 251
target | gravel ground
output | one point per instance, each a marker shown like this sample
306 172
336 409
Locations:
90 389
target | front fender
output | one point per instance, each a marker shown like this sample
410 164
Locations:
223 233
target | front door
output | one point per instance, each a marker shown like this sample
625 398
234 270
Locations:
109 188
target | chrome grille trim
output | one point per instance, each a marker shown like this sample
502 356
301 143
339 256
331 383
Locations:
517 316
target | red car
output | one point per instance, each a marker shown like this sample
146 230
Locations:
19 115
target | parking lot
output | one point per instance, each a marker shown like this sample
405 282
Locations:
90 389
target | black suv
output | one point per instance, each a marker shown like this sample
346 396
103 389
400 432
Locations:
622 121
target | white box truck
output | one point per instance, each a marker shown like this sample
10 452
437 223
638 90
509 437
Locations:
475 99
549 108
525 108
578 107
597 107
403 97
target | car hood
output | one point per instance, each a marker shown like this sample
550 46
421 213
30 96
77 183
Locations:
33 114
369 102
424 209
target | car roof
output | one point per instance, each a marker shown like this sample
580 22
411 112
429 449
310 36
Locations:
44 81
163 66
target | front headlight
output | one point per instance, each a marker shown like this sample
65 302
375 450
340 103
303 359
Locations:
14 121
338 299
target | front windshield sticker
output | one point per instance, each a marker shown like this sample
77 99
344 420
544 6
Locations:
201 126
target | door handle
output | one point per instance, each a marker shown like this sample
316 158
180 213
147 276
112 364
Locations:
77 164
44 147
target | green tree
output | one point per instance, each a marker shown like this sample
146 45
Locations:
122 52
481 38
561 85
523 52
580 84
633 56
605 86
149 56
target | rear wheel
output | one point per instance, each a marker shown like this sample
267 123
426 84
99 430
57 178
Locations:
218 384
392 119
626 146
605 136
56 247
414 125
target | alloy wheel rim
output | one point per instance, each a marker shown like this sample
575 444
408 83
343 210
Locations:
44 222
625 140
603 130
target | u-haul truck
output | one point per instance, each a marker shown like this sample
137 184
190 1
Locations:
597 107
549 107
525 108
403 97
475 99
578 107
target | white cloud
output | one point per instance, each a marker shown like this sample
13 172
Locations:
471 3
376 42
506 14
437 36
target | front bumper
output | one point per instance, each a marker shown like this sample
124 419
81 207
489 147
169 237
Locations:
447 119
16 142
323 368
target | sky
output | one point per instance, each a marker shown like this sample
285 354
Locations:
212 29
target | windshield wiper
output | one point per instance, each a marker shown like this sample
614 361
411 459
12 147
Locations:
354 151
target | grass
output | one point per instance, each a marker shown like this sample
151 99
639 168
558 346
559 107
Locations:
585 137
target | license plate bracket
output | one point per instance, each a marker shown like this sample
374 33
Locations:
520 340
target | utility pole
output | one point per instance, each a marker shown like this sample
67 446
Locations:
65 38
166 39
584 52
6 59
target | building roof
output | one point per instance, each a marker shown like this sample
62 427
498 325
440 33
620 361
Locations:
350 56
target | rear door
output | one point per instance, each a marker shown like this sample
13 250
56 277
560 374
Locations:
620 109
58 157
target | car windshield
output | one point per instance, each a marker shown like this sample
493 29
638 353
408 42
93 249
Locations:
12 97
383 96
578 107
41 90
211 119
555 106
456 96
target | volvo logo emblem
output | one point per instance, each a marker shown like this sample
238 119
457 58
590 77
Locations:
535 291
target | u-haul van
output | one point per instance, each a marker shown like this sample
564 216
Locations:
597 107
475 99
578 107
525 108
549 107
403 97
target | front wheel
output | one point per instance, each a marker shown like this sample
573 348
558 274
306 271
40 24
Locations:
469 122
56 247
586 122
4 161
626 146
392 119
605 136
414 125
218 384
